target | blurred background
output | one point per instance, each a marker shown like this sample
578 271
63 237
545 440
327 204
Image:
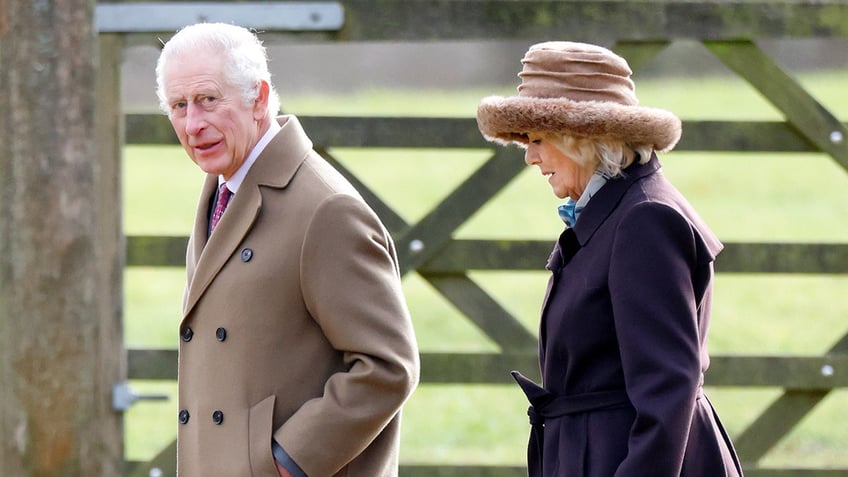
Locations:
350 67
744 196
765 163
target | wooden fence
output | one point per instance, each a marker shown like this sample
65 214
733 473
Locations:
639 31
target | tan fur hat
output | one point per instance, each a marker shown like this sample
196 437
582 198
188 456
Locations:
577 89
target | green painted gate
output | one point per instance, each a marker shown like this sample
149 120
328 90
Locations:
639 31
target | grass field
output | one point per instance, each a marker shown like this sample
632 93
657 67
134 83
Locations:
757 197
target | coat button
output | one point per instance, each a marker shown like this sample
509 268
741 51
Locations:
246 255
187 334
221 334
184 415
218 417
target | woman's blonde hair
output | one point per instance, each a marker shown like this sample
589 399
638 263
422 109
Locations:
609 156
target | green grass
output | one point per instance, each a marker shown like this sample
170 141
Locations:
744 197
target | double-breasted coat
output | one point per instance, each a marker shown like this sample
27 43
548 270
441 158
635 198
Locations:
626 313
294 326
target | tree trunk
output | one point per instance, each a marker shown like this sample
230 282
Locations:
60 245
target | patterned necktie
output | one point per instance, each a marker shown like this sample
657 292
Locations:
224 196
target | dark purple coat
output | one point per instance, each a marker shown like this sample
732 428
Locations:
627 309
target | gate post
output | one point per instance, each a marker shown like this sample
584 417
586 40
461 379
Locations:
61 250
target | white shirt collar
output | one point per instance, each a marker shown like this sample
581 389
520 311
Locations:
235 181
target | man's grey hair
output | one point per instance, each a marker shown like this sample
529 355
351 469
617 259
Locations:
246 61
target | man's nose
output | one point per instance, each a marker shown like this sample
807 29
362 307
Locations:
195 121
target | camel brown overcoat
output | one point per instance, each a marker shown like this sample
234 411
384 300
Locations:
294 326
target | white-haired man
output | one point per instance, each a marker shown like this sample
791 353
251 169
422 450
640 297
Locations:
296 346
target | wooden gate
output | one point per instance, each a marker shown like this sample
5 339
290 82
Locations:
638 30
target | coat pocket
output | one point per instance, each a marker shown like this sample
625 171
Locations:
260 430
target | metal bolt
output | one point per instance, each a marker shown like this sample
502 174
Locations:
836 137
416 246
827 371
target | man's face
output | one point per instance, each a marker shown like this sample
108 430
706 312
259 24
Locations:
215 127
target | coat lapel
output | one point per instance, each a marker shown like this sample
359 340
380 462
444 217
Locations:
201 222
212 254
572 239
608 198
274 167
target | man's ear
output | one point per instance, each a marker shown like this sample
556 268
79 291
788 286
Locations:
260 104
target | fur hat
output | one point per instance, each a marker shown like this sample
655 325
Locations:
580 90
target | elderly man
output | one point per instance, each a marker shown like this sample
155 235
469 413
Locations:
297 349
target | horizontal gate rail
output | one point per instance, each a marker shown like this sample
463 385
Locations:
411 132
529 255
737 257
803 373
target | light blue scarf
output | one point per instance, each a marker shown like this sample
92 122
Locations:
570 210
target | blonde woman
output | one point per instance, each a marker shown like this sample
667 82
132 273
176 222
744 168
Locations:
622 338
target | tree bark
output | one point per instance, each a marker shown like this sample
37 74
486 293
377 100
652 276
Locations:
60 246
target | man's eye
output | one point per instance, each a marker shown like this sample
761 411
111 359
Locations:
209 99
178 105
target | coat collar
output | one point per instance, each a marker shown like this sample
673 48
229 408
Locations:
274 168
604 203
608 197
596 212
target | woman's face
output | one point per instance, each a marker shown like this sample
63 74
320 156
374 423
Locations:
567 177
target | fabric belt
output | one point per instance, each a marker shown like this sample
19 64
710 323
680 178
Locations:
547 405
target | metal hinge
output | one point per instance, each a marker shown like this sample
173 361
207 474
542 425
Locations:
124 396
